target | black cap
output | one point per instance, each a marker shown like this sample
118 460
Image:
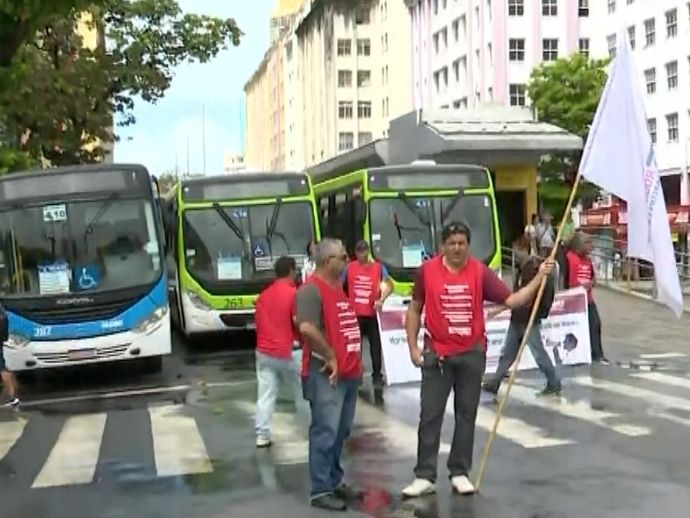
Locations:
362 245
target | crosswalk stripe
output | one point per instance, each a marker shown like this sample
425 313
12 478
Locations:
662 356
10 433
74 456
510 428
648 396
577 410
178 446
666 379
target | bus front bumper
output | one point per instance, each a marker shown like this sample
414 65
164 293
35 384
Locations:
118 346
204 319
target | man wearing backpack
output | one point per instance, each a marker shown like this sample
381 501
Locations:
528 266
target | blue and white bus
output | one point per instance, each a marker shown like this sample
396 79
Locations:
82 267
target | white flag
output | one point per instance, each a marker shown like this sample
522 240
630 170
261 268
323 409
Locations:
619 158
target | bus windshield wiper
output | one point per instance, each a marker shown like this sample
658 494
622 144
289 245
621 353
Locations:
413 209
228 221
271 228
104 207
451 206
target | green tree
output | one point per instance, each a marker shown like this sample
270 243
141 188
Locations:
60 98
20 19
566 93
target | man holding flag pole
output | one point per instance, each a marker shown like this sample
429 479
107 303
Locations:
619 158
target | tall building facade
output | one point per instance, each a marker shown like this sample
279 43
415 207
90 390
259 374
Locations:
282 16
659 33
469 52
345 73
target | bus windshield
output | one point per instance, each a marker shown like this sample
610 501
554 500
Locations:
72 247
405 230
241 243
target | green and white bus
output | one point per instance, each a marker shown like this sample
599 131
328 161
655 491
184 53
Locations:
225 233
401 209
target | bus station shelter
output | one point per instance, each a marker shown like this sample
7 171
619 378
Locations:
510 141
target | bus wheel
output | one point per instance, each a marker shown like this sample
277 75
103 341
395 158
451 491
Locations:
153 364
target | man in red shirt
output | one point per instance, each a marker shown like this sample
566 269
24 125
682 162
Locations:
368 285
278 349
581 273
451 289
331 369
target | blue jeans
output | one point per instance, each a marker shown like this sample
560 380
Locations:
332 415
510 349
269 373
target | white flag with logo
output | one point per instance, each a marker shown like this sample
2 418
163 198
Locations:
619 158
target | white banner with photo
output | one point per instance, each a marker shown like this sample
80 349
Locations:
565 334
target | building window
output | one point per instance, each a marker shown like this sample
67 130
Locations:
344 47
649 32
549 49
365 137
460 103
363 78
516 49
364 109
549 7
631 36
612 6
362 15
583 8
456 70
364 47
344 78
345 140
517 95
672 75
436 47
456 29
345 110
583 46
611 44
651 126
650 80
672 23
516 7
672 124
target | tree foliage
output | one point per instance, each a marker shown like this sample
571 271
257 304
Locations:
62 91
566 93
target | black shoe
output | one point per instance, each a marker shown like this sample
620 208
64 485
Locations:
329 503
550 392
490 386
345 492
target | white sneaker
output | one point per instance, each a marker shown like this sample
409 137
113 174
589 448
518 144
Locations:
462 485
263 442
419 487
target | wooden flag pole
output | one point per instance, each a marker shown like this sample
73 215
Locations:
530 323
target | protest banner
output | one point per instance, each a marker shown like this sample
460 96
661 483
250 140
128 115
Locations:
565 334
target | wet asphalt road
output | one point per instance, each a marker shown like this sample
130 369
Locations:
117 442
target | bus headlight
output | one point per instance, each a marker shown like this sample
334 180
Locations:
150 323
197 301
16 341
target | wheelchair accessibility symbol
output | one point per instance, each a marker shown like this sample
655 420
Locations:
86 280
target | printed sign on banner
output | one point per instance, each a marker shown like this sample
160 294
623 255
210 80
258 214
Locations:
565 334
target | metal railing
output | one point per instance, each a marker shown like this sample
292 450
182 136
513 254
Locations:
615 270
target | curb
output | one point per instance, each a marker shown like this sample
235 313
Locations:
638 295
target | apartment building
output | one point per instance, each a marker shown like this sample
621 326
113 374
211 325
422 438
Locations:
659 33
282 16
469 52
345 73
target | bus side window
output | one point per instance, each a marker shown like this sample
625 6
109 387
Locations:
324 218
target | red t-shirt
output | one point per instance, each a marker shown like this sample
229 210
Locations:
275 329
580 271
454 303
364 286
